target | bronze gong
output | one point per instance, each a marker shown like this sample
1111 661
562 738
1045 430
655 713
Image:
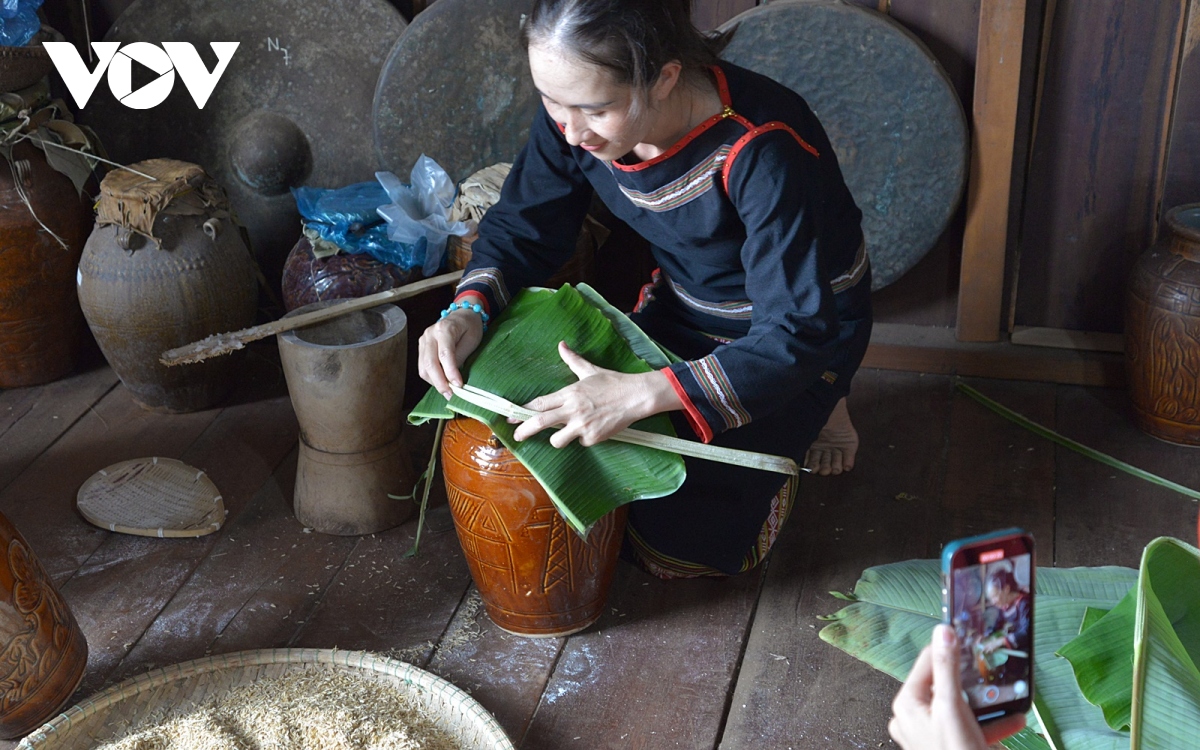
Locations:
457 88
889 109
293 107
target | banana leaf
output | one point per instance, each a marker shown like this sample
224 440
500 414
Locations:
1139 662
519 361
894 608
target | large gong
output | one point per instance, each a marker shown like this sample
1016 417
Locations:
457 88
293 107
889 109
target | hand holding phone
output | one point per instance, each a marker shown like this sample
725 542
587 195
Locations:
988 584
929 712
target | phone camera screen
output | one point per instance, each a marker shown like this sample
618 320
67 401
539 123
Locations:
993 617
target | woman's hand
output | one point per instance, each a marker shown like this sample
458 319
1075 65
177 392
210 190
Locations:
444 347
600 405
930 711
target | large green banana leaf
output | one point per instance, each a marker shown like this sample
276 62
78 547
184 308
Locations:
519 361
1139 662
894 608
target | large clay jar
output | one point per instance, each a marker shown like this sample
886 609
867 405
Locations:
536 576
166 266
1162 331
42 650
40 321
345 379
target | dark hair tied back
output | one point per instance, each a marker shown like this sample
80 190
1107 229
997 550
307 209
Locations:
632 39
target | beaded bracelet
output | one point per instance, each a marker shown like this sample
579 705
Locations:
472 307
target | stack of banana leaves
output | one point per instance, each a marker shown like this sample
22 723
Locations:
1116 650
518 360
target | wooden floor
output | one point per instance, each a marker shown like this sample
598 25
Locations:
727 664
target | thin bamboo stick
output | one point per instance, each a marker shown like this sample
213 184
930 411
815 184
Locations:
766 462
224 343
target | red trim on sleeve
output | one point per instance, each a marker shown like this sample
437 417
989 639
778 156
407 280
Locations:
476 295
694 418
754 133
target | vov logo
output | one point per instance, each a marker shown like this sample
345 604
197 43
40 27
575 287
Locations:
118 61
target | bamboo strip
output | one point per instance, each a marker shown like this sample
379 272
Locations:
766 462
1080 448
224 343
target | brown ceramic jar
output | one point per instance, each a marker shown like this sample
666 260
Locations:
42 650
1162 331
536 576
40 319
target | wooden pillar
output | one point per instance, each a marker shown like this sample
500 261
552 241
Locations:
994 119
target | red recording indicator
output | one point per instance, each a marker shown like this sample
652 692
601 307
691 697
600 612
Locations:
991 556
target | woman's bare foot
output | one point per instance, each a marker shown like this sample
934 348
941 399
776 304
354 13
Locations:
834 449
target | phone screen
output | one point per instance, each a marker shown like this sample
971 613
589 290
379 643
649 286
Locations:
993 617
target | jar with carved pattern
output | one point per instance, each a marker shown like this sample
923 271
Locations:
536 576
1162 331
42 650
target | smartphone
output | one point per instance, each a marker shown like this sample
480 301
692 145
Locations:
987 597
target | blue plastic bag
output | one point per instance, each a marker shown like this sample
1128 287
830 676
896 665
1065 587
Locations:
348 218
421 210
18 22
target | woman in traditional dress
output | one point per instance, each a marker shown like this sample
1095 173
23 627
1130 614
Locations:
763 285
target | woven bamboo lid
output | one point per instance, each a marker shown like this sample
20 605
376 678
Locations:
152 497
141 700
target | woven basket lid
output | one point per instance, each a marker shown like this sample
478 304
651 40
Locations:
152 497
146 699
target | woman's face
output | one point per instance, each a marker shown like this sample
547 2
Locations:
584 99
998 594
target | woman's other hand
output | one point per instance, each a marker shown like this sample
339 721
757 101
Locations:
445 345
600 405
930 711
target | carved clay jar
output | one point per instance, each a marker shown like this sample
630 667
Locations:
42 650
166 266
1162 331
536 576
40 320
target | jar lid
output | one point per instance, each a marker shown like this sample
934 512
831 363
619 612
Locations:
133 197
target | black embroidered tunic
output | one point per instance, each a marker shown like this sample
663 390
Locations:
761 260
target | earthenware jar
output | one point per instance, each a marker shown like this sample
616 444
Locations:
1162 331
40 320
165 266
42 650
537 577
346 380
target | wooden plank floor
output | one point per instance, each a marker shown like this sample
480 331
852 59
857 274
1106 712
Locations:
724 664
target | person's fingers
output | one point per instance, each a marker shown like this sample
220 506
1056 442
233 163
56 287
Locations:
917 690
947 685
994 731
546 403
835 462
446 359
536 424
428 365
896 730
580 366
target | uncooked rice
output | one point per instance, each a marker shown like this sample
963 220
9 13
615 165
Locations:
329 709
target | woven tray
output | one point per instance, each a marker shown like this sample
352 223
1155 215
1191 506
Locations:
152 497
121 708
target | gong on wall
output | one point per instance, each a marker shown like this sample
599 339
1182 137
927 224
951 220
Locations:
888 107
